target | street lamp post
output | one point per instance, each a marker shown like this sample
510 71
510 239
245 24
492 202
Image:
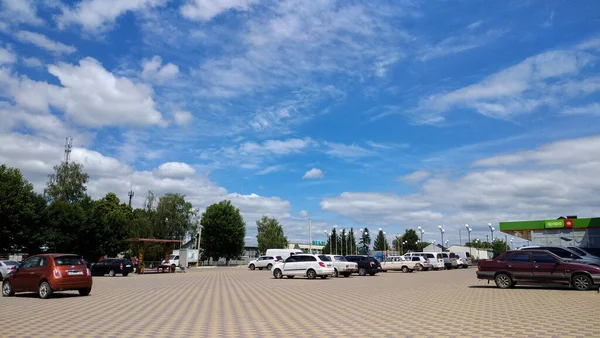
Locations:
469 234
384 245
361 232
433 242
336 235
492 230
328 239
442 233
403 244
421 231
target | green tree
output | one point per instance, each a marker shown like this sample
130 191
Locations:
365 241
223 231
107 228
68 182
21 213
174 217
498 247
381 243
270 235
351 241
65 224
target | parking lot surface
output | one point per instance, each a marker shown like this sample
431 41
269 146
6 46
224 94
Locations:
235 302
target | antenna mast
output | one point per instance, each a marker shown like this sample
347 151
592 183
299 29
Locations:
68 147
130 193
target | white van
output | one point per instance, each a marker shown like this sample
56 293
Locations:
434 258
284 253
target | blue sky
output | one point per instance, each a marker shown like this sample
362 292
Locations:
388 114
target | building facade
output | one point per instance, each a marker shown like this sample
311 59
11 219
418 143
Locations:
564 231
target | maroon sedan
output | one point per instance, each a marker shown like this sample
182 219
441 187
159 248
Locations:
47 273
536 266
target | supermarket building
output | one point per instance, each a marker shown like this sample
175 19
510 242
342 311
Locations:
564 231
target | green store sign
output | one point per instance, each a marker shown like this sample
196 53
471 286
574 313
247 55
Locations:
555 224
319 243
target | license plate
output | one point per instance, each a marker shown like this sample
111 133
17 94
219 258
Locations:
328 265
74 273
127 266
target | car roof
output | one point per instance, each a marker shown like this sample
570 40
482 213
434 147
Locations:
52 255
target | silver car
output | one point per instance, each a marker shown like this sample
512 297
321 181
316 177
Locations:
6 267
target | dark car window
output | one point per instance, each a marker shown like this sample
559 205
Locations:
503 257
430 255
310 258
541 257
324 258
34 261
340 258
67 260
291 259
43 261
520 257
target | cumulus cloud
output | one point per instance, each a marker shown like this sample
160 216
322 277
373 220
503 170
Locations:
6 56
20 11
174 170
33 62
415 177
44 42
182 118
153 69
543 183
206 10
312 174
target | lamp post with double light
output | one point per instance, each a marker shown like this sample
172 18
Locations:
421 231
442 230
469 234
492 230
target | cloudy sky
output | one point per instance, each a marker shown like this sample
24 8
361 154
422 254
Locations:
386 114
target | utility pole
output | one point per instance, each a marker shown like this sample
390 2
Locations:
459 238
130 193
68 148
309 235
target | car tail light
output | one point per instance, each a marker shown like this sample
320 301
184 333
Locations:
121 266
11 267
89 273
57 273
322 264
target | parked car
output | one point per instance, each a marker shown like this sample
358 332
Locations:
366 264
465 259
48 273
568 254
433 260
6 267
311 266
341 266
264 262
399 263
112 267
536 266
283 253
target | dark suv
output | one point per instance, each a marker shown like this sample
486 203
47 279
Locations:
112 266
366 264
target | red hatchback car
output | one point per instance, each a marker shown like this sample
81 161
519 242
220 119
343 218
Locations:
48 273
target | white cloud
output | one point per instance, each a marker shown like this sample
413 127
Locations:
19 11
182 118
206 10
303 213
153 69
270 169
312 174
33 62
516 90
44 42
351 151
550 181
100 15
590 109
7 56
415 177
174 170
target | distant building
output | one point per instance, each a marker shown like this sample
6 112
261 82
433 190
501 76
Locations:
317 249
476 253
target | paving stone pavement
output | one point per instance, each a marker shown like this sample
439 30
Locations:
230 302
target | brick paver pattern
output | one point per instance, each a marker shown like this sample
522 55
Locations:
235 302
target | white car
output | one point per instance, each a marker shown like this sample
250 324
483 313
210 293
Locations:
399 263
311 266
264 262
6 267
341 266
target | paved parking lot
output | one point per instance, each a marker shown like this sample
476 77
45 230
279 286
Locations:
235 302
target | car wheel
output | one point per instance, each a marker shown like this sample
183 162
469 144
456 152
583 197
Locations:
252 267
260 268
278 274
582 282
346 274
85 292
419 267
125 274
44 290
112 273
311 274
383 270
371 273
503 281
324 277
405 269
362 272
7 289
290 277
335 273
173 266
270 266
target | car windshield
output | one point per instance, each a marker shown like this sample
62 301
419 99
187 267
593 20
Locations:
67 260
578 251
324 258
340 258
10 262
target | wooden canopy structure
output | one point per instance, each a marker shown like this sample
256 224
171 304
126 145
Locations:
142 242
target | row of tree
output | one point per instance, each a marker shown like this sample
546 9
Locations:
64 218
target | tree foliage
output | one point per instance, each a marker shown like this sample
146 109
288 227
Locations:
498 247
174 217
381 243
223 231
479 244
270 235
409 241
365 241
68 183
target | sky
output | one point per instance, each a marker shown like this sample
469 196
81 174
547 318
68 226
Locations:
378 114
